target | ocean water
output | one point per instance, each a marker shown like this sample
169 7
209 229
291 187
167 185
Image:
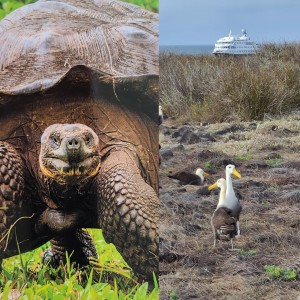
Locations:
187 49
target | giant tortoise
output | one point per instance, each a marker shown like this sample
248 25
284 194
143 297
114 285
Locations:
79 129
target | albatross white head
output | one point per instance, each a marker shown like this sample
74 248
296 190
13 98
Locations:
221 184
230 169
200 172
231 198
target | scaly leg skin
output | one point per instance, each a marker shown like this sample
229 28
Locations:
128 212
62 225
77 243
11 193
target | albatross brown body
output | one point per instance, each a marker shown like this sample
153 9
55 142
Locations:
224 224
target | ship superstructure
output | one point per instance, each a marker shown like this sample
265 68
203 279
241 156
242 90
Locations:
235 45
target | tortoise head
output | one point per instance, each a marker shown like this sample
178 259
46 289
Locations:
69 153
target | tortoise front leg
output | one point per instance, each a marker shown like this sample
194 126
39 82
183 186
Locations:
11 192
128 212
77 243
16 207
68 237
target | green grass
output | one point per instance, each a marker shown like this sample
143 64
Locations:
112 279
276 272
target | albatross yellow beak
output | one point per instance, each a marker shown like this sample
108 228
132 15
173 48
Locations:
213 186
205 174
236 173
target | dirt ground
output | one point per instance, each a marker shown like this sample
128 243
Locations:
267 156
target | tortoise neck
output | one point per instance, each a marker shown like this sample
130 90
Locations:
64 195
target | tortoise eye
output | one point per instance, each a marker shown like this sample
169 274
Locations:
88 139
55 141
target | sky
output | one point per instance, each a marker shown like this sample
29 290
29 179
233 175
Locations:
202 22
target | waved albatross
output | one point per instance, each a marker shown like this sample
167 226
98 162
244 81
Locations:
227 213
231 200
189 178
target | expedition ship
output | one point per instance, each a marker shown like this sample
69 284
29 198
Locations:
235 45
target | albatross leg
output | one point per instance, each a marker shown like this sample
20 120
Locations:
238 228
216 235
232 246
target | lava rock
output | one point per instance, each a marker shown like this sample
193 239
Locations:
166 153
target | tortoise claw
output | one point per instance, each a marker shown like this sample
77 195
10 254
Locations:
50 258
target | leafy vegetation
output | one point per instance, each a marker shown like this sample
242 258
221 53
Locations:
215 89
151 5
173 296
7 6
276 272
112 279
247 252
208 165
274 162
244 157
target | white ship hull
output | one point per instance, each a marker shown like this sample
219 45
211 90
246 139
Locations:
235 45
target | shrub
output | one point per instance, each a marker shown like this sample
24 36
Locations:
7 6
274 162
278 272
247 252
215 89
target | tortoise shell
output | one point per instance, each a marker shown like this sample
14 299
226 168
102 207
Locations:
41 43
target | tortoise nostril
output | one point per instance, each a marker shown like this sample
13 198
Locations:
73 143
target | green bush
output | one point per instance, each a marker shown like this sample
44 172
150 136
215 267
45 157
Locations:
151 5
275 272
274 162
247 252
215 89
7 6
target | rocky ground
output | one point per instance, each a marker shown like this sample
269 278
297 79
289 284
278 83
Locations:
267 156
